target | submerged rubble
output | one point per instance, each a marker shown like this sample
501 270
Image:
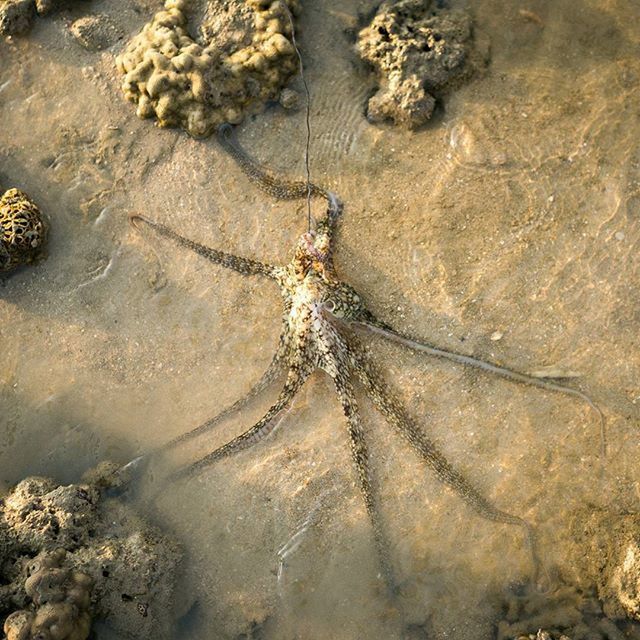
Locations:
419 51
597 590
241 58
562 613
23 230
70 555
16 16
605 552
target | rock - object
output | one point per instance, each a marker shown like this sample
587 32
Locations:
420 51
543 634
241 59
561 613
606 553
23 230
60 598
95 32
16 16
70 555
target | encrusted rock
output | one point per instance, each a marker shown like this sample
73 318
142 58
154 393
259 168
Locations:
60 602
23 231
624 582
289 99
68 555
16 16
606 553
95 32
420 51
240 60
562 613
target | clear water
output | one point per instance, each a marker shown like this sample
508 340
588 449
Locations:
514 211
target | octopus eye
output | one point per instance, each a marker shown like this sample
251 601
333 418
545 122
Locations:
330 305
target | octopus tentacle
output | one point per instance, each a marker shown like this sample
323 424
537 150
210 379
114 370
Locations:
360 456
515 376
269 376
279 188
258 432
245 266
276 186
393 413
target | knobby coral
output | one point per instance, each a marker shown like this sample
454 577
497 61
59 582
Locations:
241 59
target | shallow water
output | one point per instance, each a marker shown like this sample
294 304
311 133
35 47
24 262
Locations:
515 211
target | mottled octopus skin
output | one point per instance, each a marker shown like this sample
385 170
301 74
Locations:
319 311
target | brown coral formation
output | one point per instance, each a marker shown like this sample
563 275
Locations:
23 230
419 51
240 60
60 601
69 554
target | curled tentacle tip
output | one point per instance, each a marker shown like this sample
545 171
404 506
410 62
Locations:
135 219
335 206
225 129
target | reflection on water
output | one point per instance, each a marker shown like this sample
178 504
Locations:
513 213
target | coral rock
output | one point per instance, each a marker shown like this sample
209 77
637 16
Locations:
241 59
605 552
69 555
16 17
23 231
420 51
95 32
60 602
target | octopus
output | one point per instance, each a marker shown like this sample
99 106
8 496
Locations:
321 313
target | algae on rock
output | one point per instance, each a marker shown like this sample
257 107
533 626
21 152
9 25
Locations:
419 51
241 59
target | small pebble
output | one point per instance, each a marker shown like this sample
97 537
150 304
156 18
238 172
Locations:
496 335
290 99
619 235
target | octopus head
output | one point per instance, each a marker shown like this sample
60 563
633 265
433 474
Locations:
342 301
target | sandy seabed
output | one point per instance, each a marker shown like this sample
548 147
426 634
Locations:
513 213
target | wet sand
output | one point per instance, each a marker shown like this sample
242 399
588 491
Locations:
513 211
